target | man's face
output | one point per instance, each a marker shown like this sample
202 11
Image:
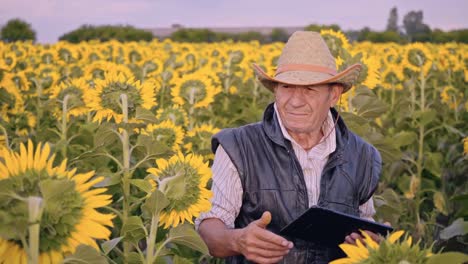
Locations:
303 109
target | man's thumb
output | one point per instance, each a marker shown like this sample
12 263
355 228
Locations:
264 220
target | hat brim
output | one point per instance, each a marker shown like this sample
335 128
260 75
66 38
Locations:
346 77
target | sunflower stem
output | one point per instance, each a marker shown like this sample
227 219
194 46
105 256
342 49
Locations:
35 206
64 125
419 161
151 241
7 144
126 170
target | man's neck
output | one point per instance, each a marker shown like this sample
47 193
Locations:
307 140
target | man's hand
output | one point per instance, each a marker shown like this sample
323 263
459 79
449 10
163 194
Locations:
260 245
351 239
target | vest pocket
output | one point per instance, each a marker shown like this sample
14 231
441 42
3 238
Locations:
282 204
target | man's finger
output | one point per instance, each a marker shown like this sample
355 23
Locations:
273 238
349 240
266 253
374 236
264 220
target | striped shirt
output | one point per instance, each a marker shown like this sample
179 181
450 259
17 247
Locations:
227 188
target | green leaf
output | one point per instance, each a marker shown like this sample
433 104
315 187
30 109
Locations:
367 104
425 117
152 146
433 163
448 257
440 203
133 230
110 178
458 228
134 258
143 185
109 245
187 236
405 138
181 260
85 254
145 115
155 203
105 135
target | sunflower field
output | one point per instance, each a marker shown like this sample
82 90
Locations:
105 147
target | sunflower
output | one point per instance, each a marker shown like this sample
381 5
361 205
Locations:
392 75
75 90
166 133
335 40
196 90
417 56
175 113
370 75
451 97
389 250
198 140
8 61
70 215
105 98
183 179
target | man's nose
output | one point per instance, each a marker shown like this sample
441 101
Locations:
297 96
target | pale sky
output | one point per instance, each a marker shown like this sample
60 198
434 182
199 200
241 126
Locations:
52 18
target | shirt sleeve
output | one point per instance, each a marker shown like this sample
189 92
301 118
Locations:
227 191
367 210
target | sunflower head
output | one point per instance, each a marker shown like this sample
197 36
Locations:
106 98
183 180
73 91
335 40
165 134
69 215
390 250
194 90
370 74
417 57
174 113
198 140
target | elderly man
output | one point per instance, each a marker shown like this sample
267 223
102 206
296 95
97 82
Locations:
302 154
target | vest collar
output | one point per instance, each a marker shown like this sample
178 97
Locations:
273 130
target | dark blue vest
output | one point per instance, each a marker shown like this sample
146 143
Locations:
272 179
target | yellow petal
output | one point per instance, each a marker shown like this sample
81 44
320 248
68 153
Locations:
395 236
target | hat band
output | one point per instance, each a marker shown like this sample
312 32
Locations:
305 67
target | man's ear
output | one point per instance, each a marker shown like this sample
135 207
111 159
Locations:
336 91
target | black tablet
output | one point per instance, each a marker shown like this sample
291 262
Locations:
321 225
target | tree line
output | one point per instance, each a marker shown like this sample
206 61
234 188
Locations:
412 29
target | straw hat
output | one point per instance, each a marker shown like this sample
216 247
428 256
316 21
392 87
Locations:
306 60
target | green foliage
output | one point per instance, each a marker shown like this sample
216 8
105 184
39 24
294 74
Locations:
317 27
17 30
106 33
206 35
85 254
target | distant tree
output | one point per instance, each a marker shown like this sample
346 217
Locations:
414 26
198 35
278 34
17 30
392 23
317 28
106 33
249 36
